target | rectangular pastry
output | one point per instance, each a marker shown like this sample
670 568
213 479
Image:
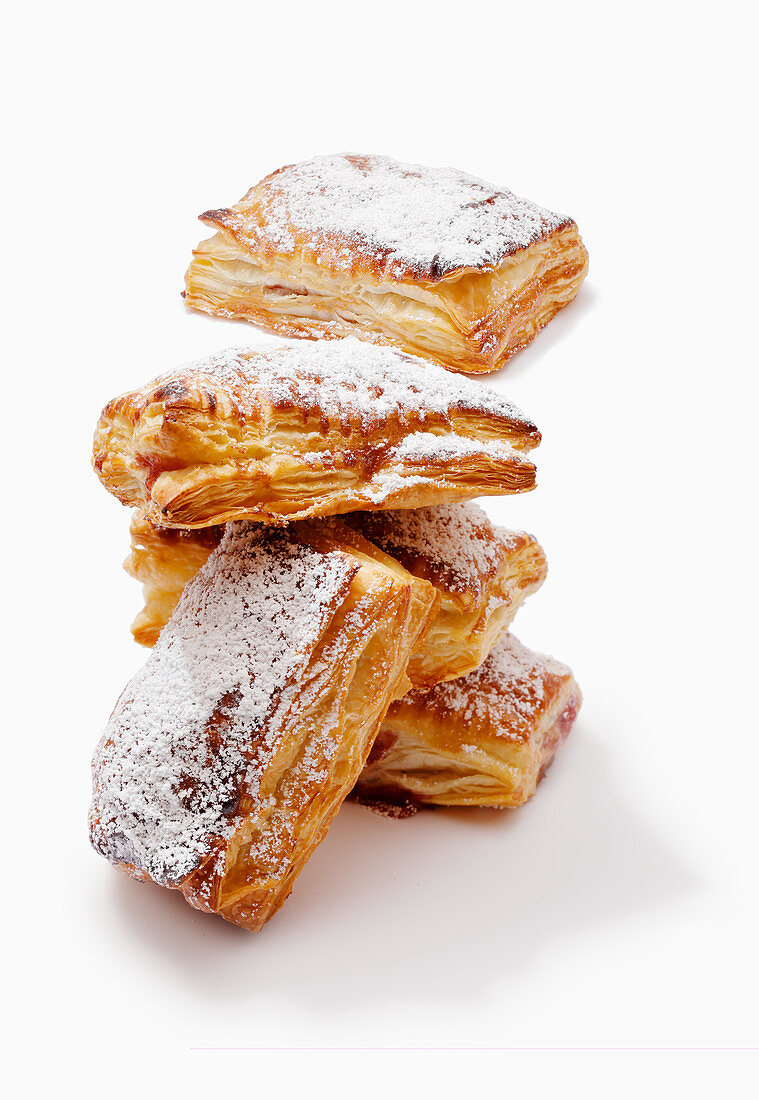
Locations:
482 574
229 753
430 260
483 740
291 431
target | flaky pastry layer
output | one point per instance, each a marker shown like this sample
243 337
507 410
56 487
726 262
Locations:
482 575
483 740
229 753
431 261
297 430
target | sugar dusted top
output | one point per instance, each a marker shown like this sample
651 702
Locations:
453 543
507 694
198 722
406 218
347 382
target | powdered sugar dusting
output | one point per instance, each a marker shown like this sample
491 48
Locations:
196 725
348 381
425 221
456 540
507 691
429 447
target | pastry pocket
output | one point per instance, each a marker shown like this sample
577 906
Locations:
229 753
430 260
299 430
483 740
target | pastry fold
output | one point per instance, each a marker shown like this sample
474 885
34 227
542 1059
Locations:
297 430
430 260
483 740
229 753
482 575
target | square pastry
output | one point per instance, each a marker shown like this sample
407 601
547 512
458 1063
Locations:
230 752
431 260
483 740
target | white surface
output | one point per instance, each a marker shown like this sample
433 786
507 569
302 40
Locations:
618 909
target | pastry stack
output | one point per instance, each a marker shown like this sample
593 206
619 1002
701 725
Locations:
328 612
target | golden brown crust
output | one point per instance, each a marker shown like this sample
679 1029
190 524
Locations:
481 574
163 560
293 431
298 265
330 209
483 740
230 752
453 546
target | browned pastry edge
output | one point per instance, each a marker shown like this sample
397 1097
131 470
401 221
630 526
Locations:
284 433
484 740
484 346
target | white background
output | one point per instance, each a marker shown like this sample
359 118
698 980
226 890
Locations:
525 952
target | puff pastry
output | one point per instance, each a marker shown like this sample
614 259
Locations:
163 560
431 260
231 750
297 430
482 573
483 740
